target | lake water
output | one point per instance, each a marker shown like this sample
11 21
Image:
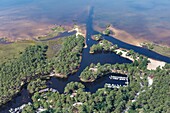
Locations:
149 19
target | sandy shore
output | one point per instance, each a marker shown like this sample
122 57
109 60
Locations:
58 75
80 30
151 66
124 54
128 38
154 64
31 31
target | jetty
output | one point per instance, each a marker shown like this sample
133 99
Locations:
118 78
18 109
114 85
48 89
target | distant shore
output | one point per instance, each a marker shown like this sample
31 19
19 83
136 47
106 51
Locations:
119 34
125 36
43 30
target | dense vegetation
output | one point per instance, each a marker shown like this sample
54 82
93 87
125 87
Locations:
139 60
136 97
13 50
104 100
103 45
92 72
106 46
72 87
33 63
36 85
157 98
68 59
14 73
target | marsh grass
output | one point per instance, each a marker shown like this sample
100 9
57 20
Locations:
14 50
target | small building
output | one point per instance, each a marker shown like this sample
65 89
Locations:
150 80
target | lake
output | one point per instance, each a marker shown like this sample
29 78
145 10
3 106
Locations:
148 19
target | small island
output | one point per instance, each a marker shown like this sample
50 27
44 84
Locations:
97 37
103 46
106 32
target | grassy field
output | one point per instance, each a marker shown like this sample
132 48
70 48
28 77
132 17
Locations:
163 50
53 47
13 50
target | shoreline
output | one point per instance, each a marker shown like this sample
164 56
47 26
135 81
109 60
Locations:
86 81
118 34
124 53
155 64
44 31
80 29
152 65
158 48
130 39
121 34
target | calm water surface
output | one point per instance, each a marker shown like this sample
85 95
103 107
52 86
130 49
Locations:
149 19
